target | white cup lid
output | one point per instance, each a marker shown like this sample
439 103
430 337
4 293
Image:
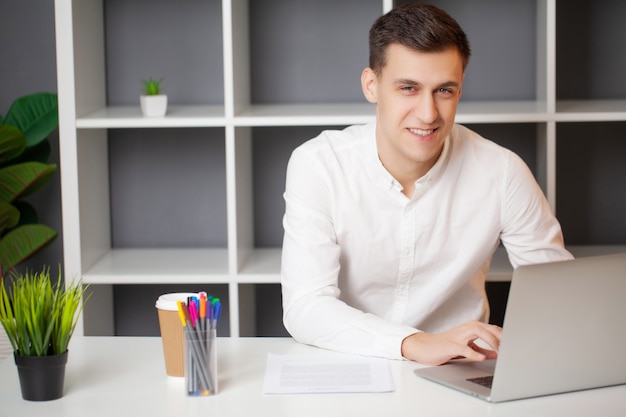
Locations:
168 301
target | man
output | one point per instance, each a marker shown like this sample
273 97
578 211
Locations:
390 227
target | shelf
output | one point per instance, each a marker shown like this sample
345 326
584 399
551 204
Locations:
131 117
305 114
261 266
344 114
501 112
160 266
502 271
334 114
591 110
580 251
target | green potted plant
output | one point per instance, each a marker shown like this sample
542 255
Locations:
39 317
153 101
24 169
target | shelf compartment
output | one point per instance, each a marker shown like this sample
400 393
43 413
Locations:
179 42
590 50
167 188
290 50
160 266
271 150
591 177
268 312
140 317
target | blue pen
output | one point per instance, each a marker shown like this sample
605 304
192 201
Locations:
210 310
217 312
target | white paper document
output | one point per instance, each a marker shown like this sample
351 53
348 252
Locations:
302 374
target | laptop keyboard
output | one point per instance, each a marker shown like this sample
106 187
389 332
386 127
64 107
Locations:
485 381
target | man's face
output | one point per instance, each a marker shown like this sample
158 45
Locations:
416 96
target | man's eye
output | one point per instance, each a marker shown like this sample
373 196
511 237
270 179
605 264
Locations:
407 89
444 90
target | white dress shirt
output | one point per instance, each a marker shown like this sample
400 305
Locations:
364 266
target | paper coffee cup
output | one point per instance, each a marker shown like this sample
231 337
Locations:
172 332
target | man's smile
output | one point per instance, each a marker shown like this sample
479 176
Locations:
422 132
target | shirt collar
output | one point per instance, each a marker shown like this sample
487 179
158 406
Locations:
380 175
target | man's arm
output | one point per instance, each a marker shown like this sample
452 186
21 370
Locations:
312 309
530 233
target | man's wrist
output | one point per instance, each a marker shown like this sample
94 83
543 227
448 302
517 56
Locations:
406 349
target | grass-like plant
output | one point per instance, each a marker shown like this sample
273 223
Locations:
152 87
40 316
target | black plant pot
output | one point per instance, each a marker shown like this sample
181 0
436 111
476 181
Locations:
41 377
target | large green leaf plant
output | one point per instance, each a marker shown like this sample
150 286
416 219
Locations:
24 169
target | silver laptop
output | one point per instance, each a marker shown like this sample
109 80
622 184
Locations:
563 331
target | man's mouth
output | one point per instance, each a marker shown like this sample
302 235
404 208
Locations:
422 132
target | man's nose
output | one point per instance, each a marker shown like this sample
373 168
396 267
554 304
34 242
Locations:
426 109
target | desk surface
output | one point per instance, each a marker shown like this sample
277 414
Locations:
125 376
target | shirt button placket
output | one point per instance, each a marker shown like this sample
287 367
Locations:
405 264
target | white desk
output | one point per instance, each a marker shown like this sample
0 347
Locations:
120 377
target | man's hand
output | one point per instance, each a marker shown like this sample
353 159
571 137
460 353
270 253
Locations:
436 349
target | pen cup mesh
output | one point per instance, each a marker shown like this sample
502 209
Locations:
200 361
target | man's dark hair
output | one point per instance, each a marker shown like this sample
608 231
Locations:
421 27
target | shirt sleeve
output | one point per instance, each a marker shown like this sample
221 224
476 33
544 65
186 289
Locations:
530 233
313 312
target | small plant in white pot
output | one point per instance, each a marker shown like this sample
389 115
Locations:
153 101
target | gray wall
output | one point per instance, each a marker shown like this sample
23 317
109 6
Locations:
28 65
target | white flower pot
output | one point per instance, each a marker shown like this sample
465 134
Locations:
153 106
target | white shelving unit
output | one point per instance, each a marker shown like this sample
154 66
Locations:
86 119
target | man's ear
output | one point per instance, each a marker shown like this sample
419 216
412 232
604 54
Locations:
369 83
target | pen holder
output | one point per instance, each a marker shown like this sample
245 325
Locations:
200 362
